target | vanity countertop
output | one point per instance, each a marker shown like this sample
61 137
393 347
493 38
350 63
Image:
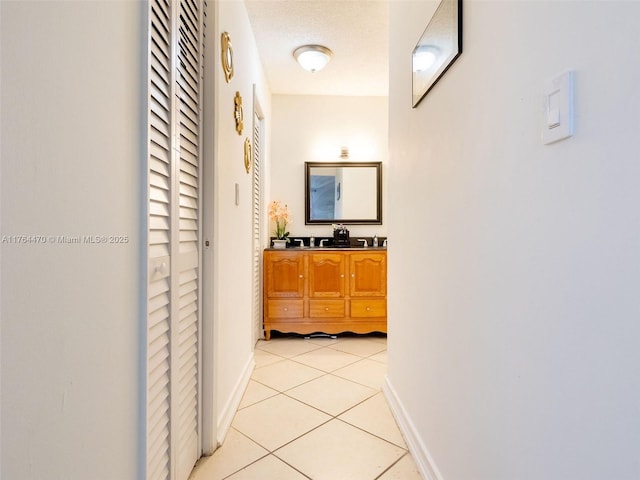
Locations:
323 249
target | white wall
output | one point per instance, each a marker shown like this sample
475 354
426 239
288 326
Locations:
513 300
70 165
313 129
232 223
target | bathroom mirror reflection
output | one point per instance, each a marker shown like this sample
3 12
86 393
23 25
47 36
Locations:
343 192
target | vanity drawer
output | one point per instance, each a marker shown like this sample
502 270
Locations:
326 308
368 308
285 308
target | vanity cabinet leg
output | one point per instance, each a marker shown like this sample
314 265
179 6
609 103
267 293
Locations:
267 334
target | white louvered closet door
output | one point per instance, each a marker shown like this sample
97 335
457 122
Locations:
257 227
173 303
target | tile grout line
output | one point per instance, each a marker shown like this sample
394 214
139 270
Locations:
284 393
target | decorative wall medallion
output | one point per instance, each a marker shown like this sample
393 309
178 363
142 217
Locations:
227 56
237 114
247 154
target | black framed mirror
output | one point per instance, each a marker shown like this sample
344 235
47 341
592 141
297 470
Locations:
343 192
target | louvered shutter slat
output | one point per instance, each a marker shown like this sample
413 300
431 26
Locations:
158 311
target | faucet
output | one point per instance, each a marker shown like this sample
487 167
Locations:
322 241
364 240
301 242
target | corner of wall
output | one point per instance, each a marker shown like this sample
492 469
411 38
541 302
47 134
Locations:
231 406
421 456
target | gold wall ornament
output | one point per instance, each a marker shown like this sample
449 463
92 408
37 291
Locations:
227 56
237 113
247 154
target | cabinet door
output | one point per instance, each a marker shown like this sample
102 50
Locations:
326 275
368 274
284 274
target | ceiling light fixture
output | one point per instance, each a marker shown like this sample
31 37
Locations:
312 57
424 57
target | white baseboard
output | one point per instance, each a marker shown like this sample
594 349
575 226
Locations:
418 449
231 407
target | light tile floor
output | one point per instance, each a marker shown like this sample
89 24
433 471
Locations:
314 409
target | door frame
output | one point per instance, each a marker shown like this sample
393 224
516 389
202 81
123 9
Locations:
208 404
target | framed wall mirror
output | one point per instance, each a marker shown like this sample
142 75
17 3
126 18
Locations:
343 192
439 46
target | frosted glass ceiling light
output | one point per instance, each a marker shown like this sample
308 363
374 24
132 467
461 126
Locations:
312 57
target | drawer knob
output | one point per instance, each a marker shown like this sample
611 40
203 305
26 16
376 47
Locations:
342 275
286 309
300 275
368 308
326 309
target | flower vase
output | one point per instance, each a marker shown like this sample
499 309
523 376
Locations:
280 243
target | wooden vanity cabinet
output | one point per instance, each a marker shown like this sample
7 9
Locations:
285 286
330 291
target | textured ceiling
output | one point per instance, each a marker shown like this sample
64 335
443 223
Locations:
357 31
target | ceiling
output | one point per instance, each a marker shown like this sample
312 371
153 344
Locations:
357 31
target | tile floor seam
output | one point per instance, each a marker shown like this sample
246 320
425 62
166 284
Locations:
291 466
405 448
306 404
377 389
247 465
328 413
297 438
264 385
392 465
269 454
325 371
324 374
281 391
282 359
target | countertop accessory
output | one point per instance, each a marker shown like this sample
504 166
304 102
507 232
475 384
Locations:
280 215
341 236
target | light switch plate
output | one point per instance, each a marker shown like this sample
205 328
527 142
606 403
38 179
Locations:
557 109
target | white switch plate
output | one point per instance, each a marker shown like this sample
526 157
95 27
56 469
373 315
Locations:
557 108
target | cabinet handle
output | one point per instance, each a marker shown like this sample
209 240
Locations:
368 308
353 275
300 275
342 275
326 309
285 309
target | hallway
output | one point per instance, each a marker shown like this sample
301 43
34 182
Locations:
314 409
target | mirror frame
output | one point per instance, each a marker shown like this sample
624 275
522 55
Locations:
347 221
443 36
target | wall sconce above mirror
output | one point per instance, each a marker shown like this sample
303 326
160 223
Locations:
343 192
